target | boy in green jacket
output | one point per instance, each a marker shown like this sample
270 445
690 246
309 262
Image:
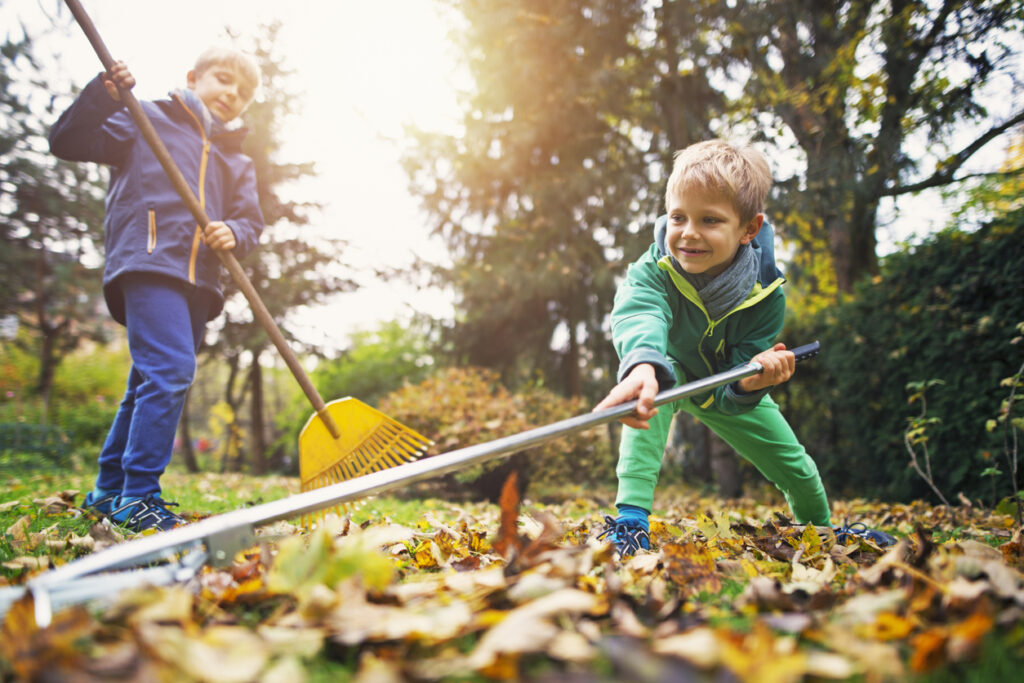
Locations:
707 297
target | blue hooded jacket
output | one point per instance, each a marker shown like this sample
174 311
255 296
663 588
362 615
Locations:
148 228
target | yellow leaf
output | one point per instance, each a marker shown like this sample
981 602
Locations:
888 626
716 526
427 555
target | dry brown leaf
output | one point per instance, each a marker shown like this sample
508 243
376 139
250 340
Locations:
528 628
18 532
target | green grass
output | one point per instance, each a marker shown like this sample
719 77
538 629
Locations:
999 659
197 495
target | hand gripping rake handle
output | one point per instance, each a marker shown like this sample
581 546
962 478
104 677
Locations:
195 208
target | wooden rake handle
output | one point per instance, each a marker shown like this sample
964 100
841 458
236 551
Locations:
196 209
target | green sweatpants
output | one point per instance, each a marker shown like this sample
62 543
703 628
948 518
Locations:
761 436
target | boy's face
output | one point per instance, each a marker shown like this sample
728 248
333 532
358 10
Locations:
704 231
223 89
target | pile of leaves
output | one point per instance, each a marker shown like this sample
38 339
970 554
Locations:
517 591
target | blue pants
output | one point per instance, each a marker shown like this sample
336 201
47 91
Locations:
165 320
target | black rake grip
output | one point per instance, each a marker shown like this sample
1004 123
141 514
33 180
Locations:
807 351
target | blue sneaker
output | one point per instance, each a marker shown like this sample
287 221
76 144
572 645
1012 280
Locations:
845 532
100 504
150 512
627 535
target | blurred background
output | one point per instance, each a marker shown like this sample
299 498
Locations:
453 190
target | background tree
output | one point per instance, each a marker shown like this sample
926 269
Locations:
873 94
543 189
551 184
51 222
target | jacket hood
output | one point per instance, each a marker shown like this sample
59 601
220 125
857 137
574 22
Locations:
763 245
213 128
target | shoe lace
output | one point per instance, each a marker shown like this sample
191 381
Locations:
628 538
847 530
154 503
860 529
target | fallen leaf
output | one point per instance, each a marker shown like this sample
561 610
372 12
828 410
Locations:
699 646
528 628
928 650
508 542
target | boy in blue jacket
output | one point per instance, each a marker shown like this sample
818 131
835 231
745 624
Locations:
161 277
707 297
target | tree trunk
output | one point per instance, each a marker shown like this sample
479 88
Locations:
725 464
47 368
258 460
686 452
188 453
573 383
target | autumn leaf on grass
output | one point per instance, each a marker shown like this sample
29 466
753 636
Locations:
427 555
691 567
356 620
929 650
227 654
715 525
1013 551
303 563
888 627
755 656
31 651
18 533
762 657
509 543
30 562
809 579
699 646
53 505
529 628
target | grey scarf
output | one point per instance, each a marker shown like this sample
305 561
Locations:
729 288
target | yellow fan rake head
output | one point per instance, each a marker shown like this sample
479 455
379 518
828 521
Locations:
368 441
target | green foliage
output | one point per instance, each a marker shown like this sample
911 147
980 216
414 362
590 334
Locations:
51 222
541 187
549 186
86 392
226 431
1012 423
944 309
378 361
915 435
460 407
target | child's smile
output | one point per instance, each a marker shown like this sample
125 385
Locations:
704 231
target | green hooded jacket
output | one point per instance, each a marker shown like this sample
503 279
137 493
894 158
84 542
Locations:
658 318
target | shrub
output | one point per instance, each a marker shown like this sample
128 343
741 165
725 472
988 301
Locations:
86 391
459 407
942 310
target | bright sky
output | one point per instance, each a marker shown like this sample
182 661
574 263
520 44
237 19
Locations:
363 69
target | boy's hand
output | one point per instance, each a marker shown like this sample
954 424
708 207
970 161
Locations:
640 384
118 77
219 236
779 365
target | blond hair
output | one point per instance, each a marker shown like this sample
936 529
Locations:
227 56
739 172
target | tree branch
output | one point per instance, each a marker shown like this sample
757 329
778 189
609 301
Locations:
944 174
